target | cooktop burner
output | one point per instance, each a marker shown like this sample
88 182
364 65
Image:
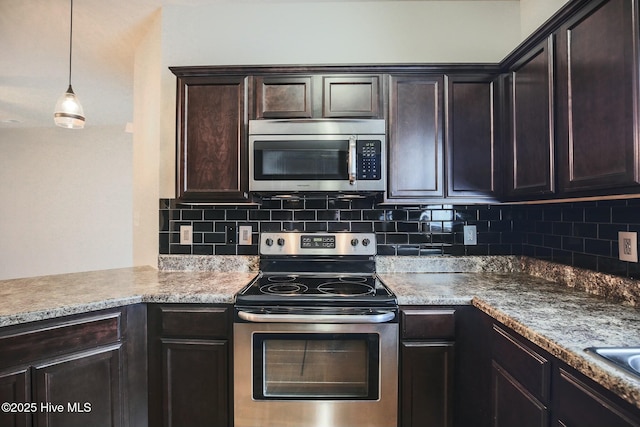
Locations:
311 290
284 288
342 287
310 269
297 285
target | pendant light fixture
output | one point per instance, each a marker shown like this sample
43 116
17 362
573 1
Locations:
69 113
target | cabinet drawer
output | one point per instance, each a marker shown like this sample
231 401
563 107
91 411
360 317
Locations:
580 404
211 322
49 339
428 324
526 365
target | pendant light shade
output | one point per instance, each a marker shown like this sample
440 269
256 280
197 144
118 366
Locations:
68 112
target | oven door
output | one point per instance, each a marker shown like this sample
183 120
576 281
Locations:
315 375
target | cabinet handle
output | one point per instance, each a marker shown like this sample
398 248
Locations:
352 160
320 318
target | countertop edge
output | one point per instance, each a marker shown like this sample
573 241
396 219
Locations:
619 382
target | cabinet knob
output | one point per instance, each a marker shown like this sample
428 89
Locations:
280 241
269 242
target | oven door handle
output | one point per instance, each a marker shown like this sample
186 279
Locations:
381 317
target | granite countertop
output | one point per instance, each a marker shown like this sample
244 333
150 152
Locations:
45 297
562 320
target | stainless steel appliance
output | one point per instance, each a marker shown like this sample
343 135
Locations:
316 336
321 155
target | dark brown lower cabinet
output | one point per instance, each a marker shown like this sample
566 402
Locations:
427 384
521 381
427 366
81 370
581 403
78 390
195 382
15 387
513 405
189 365
531 387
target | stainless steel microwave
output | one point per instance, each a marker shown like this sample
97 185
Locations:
318 155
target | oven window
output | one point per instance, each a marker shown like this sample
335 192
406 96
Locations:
308 160
316 366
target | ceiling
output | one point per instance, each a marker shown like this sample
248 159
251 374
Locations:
34 67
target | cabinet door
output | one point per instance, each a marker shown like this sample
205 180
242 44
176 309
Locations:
471 145
513 405
426 391
530 147
416 163
212 128
598 97
526 364
283 97
15 389
189 365
351 96
195 383
580 405
82 390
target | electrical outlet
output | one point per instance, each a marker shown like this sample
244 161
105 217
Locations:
244 234
470 235
186 234
231 235
628 246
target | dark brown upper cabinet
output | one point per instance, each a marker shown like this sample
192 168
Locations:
212 148
429 161
529 124
472 139
283 97
416 138
351 96
297 96
597 132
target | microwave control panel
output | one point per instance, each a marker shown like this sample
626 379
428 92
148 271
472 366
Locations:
369 154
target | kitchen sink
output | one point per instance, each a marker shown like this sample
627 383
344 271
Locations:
627 358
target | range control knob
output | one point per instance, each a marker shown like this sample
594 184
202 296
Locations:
365 242
269 241
280 241
354 242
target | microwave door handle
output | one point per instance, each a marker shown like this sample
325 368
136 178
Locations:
352 160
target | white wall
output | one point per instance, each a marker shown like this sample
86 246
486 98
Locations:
340 32
66 200
146 139
534 13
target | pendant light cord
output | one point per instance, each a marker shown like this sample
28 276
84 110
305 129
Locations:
70 41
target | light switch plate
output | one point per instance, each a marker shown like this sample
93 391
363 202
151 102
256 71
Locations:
244 234
470 235
186 234
628 246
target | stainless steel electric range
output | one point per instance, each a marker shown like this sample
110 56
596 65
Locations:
316 336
